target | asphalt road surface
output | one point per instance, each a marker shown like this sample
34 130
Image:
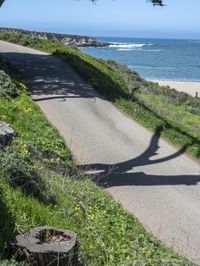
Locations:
153 180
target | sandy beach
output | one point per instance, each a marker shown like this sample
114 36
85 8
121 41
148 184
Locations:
185 86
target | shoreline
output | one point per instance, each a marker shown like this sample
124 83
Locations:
189 87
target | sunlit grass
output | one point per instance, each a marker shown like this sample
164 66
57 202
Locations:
186 120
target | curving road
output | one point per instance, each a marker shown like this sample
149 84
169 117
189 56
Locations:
159 184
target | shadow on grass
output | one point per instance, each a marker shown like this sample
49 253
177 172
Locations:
32 185
20 173
119 174
166 125
7 227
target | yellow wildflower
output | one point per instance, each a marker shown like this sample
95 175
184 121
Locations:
91 217
4 117
77 208
28 110
22 86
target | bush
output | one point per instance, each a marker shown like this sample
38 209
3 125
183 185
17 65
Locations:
7 87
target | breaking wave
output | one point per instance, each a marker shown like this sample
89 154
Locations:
128 45
140 49
124 49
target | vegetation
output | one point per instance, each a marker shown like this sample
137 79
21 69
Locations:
148 103
138 86
153 106
40 185
1 2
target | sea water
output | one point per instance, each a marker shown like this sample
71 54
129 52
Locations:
160 59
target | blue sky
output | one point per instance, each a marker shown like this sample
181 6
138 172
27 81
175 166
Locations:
128 18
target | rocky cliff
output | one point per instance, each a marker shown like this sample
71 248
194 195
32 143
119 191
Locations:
66 39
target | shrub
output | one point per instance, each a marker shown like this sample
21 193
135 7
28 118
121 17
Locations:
7 87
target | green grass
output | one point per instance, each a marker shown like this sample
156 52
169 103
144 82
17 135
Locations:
40 185
107 234
170 130
22 113
188 121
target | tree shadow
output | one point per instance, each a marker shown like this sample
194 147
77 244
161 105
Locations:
33 185
48 77
118 174
7 227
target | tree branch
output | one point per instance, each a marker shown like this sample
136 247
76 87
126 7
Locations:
154 2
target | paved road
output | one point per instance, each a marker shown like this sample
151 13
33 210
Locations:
154 181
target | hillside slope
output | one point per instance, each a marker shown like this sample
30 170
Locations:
39 185
141 169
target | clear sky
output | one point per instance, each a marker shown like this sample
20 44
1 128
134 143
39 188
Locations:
128 18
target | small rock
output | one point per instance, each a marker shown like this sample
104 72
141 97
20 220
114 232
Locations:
6 134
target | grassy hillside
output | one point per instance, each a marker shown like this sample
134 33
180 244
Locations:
152 105
39 185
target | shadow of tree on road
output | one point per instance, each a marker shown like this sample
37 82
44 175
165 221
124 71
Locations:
41 72
118 175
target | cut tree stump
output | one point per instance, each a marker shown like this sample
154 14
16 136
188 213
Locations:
6 134
43 246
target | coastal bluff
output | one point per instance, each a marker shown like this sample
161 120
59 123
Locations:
66 39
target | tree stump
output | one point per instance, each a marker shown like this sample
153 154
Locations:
43 246
6 134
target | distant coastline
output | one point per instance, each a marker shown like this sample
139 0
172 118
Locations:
66 39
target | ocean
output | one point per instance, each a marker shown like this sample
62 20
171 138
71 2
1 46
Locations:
159 59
